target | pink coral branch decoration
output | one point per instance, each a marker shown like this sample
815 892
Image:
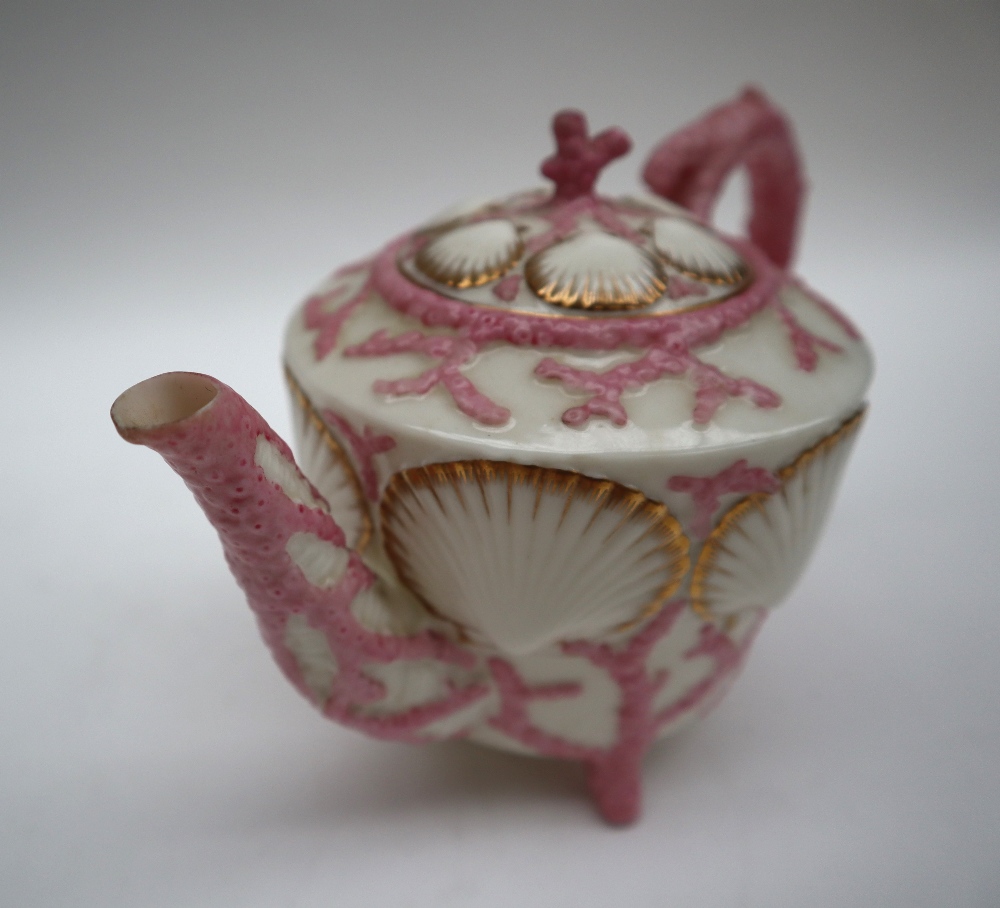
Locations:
804 343
578 160
508 288
845 323
713 388
319 317
613 772
614 777
706 491
608 387
453 353
668 339
690 168
365 445
513 719
215 452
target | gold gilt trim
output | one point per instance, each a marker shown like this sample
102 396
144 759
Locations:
407 267
735 278
469 478
462 276
607 295
740 274
716 539
339 454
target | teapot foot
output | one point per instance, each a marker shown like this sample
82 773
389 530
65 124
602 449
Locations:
615 784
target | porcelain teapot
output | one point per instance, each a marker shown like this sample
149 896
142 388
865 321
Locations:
559 455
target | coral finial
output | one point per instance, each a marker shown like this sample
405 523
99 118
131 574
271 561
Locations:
579 159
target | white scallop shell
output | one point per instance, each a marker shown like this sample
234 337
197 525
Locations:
328 468
756 553
522 556
595 270
471 255
697 252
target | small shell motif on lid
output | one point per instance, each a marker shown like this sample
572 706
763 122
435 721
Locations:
574 252
595 270
603 297
696 252
473 254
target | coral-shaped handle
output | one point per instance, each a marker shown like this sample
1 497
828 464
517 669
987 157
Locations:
691 167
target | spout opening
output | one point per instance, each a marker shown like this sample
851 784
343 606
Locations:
161 401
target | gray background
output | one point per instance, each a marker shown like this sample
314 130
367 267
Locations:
174 177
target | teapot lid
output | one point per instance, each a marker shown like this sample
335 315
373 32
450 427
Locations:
561 307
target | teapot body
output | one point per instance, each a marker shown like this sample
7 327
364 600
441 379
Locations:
558 456
608 579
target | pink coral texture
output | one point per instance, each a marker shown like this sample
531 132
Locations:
690 169
215 451
341 624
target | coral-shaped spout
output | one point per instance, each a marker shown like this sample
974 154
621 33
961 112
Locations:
288 554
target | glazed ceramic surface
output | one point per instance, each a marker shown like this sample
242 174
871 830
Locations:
563 453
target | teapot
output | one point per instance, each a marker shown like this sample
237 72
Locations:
559 456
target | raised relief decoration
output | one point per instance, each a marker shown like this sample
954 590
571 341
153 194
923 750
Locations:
696 252
331 470
556 615
756 553
596 271
471 255
524 556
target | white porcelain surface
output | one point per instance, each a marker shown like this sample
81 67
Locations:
472 254
522 558
660 423
696 251
595 270
513 571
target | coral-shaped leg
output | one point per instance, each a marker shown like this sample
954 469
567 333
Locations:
615 783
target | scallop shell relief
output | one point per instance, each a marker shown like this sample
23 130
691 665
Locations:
471 255
521 556
754 556
595 271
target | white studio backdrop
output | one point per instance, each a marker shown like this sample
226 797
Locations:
176 177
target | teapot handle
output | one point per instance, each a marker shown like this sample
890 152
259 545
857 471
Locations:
691 167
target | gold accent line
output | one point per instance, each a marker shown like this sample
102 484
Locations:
737 275
463 279
601 298
416 277
339 454
731 278
539 492
716 541
602 493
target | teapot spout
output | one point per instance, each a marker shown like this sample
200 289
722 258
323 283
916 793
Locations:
276 530
289 556
285 550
